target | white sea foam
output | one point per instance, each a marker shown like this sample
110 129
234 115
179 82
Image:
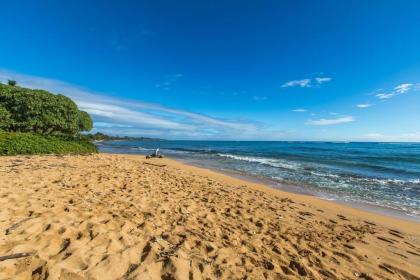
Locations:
382 182
390 181
415 181
266 161
142 149
329 175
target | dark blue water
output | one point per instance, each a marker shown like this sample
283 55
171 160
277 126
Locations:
380 174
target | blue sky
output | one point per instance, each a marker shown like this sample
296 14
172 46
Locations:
242 70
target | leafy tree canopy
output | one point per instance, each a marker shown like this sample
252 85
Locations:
11 82
85 121
39 111
5 118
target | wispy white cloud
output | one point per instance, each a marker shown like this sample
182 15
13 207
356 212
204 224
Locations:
120 113
400 89
131 117
169 81
321 80
385 95
340 120
298 83
363 105
110 125
306 83
299 110
403 88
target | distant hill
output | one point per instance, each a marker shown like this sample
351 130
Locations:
103 137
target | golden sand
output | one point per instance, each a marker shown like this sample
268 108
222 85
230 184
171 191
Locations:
124 217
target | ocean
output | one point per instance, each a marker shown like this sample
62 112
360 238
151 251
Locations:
378 175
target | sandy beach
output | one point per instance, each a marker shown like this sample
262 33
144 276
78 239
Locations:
111 216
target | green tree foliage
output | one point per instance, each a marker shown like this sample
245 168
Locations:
39 122
85 121
17 143
5 118
42 112
11 83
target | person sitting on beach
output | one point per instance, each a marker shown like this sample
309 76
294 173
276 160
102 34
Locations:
155 154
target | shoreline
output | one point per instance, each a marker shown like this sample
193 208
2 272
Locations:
388 220
300 190
295 189
114 216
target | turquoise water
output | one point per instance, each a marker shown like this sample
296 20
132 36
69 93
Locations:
378 174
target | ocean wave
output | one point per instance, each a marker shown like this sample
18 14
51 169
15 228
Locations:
203 151
352 178
141 149
415 158
329 175
175 151
265 161
386 182
375 167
